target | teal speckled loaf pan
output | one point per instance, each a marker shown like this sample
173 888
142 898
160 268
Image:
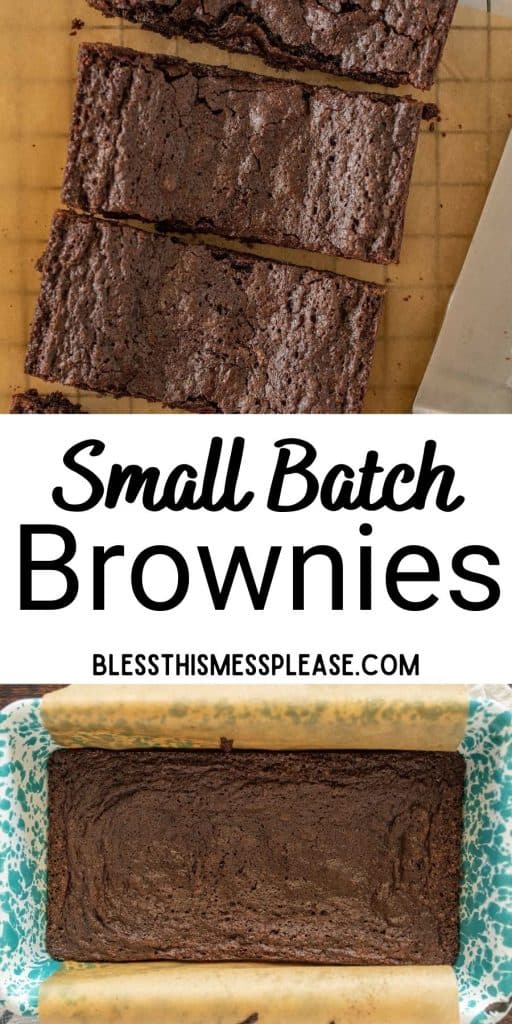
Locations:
483 972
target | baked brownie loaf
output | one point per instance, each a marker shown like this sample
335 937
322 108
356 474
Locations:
322 858
128 312
32 402
209 149
386 41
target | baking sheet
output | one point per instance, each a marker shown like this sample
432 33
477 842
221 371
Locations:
454 168
482 970
259 717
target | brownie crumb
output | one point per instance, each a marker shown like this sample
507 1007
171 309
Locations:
253 1019
226 745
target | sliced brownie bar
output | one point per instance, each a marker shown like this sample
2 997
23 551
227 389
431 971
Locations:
127 312
245 156
32 402
386 41
343 857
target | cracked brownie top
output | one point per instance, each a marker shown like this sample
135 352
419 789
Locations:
343 857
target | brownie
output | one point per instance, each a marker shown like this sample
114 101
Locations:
127 312
386 41
32 402
322 858
210 149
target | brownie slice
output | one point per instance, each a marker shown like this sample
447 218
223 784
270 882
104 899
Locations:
386 41
124 311
32 402
210 149
322 858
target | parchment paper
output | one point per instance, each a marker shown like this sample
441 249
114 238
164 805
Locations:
265 716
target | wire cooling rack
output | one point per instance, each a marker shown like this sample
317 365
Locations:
454 168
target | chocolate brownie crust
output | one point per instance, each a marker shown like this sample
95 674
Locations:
244 156
128 312
32 402
387 41
324 858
